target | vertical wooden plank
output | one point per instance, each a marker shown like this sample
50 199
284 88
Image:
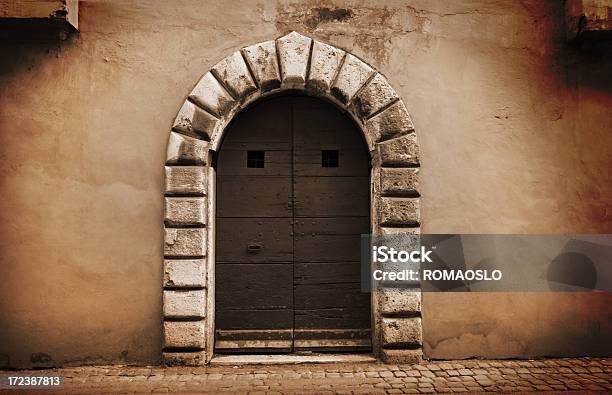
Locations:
254 270
331 210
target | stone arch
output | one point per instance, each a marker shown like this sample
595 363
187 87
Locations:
290 63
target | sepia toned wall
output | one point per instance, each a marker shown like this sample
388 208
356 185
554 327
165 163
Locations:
514 124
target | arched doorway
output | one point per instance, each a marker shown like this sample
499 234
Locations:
292 200
292 63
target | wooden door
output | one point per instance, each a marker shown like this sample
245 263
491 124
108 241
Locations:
292 200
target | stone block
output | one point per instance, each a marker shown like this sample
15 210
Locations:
351 77
184 273
376 95
264 65
185 334
186 180
184 304
399 181
193 121
324 63
186 150
211 96
293 54
402 332
402 356
399 211
190 242
394 121
400 301
399 152
187 358
235 75
184 211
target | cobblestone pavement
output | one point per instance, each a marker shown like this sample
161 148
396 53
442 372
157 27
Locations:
585 374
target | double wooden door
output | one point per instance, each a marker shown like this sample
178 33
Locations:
292 201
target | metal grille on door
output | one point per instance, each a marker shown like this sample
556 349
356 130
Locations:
292 201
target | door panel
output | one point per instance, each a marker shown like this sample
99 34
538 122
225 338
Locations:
254 240
353 162
331 196
254 196
331 211
292 201
254 271
328 239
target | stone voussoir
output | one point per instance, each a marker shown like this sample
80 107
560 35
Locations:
399 211
181 304
184 211
394 121
185 180
404 332
188 242
195 122
184 273
235 75
400 301
185 334
293 54
183 149
399 181
211 96
352 76
324 63
264 64
399 152
376 95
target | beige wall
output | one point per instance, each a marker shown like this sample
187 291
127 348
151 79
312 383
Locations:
515 129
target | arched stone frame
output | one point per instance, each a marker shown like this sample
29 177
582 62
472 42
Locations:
290 63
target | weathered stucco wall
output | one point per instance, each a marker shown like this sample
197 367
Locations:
514 125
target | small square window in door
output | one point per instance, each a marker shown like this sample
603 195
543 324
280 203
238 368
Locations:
329 158
256 159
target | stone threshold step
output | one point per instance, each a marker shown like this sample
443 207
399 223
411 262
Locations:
281 359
